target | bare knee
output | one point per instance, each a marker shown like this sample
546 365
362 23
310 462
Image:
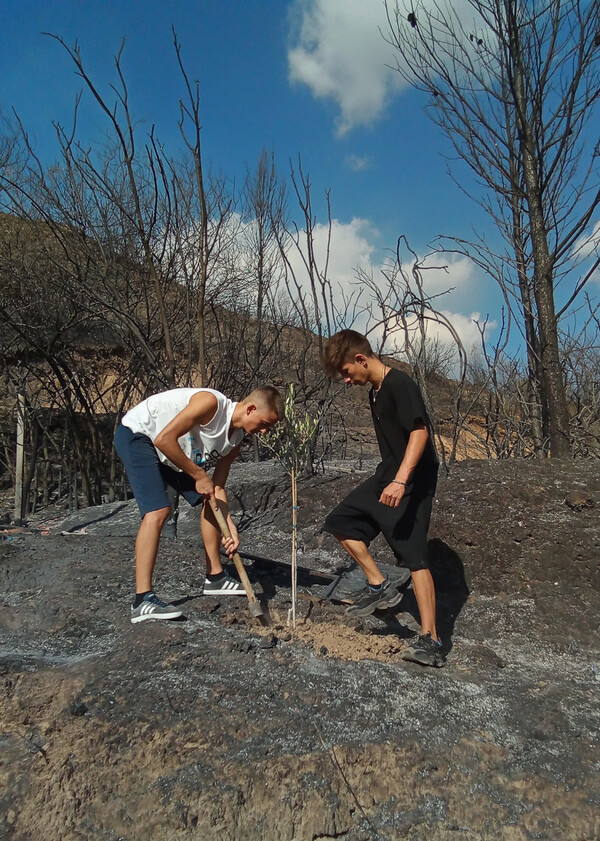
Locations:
156 519
422 580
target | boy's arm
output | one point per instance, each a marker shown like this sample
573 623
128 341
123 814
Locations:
200 410
417 441
221 472
220 475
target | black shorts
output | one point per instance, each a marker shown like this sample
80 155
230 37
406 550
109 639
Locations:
148 476
360 516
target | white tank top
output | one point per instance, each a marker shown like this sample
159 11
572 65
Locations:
203 444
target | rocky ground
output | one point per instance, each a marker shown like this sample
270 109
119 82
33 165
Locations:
216 727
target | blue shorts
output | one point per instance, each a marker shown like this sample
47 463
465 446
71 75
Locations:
147 475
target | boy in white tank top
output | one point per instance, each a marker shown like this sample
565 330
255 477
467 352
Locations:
173 439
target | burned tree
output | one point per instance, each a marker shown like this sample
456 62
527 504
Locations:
515 88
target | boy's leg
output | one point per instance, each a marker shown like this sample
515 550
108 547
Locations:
211 534
353 524
379 593
218 582
211 537
408 540
149 488
350 523
359 551
424 591
146 548
427 649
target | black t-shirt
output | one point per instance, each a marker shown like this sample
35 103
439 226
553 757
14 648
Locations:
396 408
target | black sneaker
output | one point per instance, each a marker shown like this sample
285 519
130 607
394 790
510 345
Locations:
400 577
425 651
225 586
369 600
151 607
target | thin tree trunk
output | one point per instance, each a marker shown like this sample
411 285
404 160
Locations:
46 475
554 387
294 571
20 459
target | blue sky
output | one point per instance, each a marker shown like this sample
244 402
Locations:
298 77
238 49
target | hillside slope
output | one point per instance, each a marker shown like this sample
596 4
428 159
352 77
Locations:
217 728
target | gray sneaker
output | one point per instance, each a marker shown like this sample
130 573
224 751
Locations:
369 600
425 651
225 586
151 607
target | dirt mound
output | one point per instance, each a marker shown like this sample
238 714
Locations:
214 727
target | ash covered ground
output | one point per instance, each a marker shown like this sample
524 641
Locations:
215 727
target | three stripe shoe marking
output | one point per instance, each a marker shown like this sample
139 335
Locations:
154 608
229 587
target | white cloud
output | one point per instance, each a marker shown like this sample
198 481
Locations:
588 245
466 329
350 247
586 248
339 52
358 163
353 246
442 272
437 332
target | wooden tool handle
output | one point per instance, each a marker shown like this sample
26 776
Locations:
241 569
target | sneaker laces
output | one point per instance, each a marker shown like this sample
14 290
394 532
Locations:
358 594
153 598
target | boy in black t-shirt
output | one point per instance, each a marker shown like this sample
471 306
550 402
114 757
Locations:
397 500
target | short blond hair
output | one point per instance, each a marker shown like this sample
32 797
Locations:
267 397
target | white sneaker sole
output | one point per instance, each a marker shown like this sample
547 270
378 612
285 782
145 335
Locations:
173 614
224 592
